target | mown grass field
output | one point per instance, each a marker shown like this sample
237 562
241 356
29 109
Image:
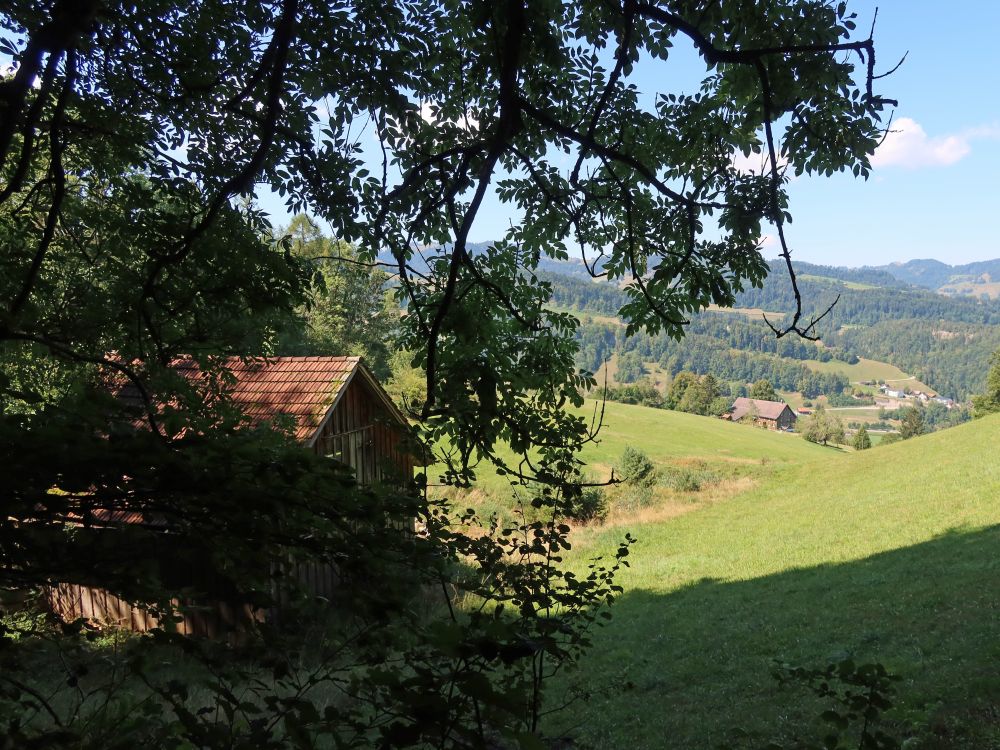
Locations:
608 372
666 437
749 312
972 288
859 414
888 554
836 282
865 369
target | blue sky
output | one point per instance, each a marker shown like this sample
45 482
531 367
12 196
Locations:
933 191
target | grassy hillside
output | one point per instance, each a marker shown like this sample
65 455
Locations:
864 369
972 287
869 369
669 435
836 282
888 554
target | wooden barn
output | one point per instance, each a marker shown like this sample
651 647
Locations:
774 415
337 408
337 405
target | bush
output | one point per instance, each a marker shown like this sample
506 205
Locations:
861 440
591 505
636 468
719 406
630 498
688 478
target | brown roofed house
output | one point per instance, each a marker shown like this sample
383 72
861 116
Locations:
775 415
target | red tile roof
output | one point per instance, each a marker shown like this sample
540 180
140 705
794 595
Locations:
303 388
765 409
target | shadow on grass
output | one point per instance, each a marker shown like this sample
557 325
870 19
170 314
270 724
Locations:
682 669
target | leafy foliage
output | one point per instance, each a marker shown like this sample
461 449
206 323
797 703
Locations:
636 468
591 506
859 693
130 235
630 369
455 677
911 422
822 427
989 401
763 391
862 441
642 392
348 311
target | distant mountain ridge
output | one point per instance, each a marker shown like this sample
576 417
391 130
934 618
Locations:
980 279
573 266
976 279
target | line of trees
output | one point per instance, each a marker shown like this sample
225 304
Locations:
988 402
944 341
949 356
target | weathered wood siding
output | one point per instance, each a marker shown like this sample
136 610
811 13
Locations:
213 619
786 420
362 434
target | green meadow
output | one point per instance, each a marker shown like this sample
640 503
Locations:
836 282
886 555
868 369
667 437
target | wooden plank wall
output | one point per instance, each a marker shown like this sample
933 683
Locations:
213 619
362 435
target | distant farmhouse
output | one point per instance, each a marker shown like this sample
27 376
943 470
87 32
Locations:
336 408
775 415
893 398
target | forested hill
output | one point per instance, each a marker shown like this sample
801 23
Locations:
861 303
943 341
864 276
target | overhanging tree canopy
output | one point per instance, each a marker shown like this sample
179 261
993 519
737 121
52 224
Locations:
205 101
133 135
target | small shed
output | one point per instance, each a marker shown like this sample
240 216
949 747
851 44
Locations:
337 408
775 415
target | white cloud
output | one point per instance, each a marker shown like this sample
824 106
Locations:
767 241
428 114
907 145
755 163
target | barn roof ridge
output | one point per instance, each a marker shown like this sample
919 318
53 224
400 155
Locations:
306 388
765 409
